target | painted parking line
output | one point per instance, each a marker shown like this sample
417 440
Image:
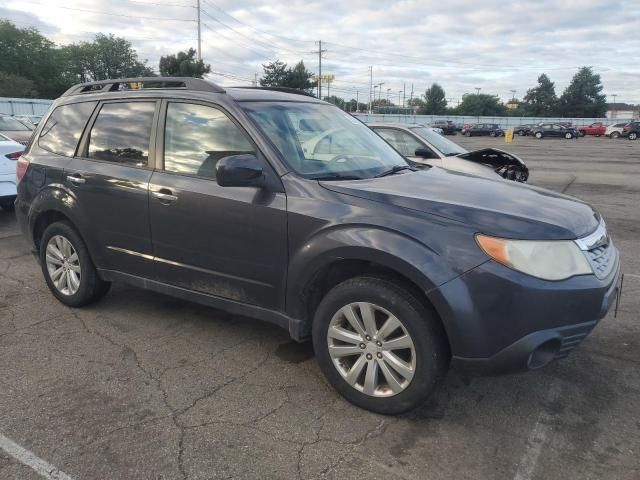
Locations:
29 459
536 440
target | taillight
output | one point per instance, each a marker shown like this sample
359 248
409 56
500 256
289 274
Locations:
13 156
21 167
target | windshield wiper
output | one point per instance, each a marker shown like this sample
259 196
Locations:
337 176
395 169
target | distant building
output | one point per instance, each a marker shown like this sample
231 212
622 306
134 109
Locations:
622 111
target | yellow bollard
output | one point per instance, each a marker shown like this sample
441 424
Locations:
508 135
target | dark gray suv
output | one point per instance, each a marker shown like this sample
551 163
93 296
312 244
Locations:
282 207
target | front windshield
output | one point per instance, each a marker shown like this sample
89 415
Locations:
440 143
323 142
8 124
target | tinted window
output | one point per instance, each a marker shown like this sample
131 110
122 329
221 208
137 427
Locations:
197 136
64 127
122 133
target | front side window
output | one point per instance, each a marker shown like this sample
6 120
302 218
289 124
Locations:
322 141
405 143
122 133
64 127
197 136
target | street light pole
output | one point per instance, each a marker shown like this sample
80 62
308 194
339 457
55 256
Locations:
478 90
614 110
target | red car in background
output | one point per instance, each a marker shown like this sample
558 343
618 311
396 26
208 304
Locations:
596 129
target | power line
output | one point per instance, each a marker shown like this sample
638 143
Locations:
113 14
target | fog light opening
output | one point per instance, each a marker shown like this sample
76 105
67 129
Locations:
542 355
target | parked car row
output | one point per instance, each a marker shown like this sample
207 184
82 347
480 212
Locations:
15 129
566 130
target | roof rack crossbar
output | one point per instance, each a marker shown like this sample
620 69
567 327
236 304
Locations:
184 83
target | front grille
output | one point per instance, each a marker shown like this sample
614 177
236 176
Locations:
602 260
572 336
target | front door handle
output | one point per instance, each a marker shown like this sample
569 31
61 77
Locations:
165 196
77 179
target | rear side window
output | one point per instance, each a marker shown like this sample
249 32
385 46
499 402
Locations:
64 128
197 136
122 133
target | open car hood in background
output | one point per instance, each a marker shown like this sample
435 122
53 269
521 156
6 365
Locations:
505 164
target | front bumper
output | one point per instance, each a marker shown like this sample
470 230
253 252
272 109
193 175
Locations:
499 320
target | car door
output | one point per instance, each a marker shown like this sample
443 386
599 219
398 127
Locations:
230 242
110 180
557 131
407 143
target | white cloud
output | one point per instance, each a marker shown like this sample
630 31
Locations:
495 45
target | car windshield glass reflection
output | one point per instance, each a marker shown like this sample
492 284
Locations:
323 142
443 145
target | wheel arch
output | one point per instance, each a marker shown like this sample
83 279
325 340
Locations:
404 264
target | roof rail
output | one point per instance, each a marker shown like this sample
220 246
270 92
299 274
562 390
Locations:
295 91
184 83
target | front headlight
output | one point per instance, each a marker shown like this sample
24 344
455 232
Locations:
549 260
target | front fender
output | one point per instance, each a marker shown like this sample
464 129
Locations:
392 250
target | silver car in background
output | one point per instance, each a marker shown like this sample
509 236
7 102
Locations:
422 145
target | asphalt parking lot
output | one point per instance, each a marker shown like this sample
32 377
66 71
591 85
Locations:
142 386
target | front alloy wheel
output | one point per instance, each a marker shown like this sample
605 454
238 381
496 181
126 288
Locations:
538 135
371 349
633 136
63 265
380 346
568 135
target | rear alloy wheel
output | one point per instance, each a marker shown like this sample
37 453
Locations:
379 346
615 135
492 134
67 267
633 136
539 135
568 135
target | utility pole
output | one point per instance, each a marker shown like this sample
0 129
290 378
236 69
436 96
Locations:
614 110
320 52
357 100
380 91
199 35
370 86
411 97
388 90
404 94
399 96
255 79
478 90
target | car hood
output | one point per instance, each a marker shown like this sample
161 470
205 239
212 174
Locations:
505 164
493 207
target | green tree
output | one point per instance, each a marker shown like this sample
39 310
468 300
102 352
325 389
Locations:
107 56
299 77
540 101
16 86
434 101
480 104
276 74
183 64
26 53
583 97
416 103
337 101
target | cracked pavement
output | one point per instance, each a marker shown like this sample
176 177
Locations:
143 386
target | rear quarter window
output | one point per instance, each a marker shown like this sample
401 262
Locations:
61 133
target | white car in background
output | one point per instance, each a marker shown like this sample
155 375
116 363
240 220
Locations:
614 131
10 151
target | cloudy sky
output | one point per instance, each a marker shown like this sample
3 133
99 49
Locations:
495 45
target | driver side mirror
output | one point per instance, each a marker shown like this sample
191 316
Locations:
243 170
423 152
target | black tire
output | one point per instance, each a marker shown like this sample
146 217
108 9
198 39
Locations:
539 135
92 287
492 134
615 135
468 134
568 135
420 322
633 136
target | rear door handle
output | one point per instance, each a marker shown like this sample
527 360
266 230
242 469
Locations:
165 196
77 179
